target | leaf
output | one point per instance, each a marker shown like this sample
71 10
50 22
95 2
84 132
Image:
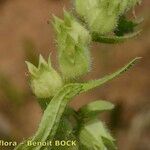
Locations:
113 39
94 108
92 135
95 83
55 109
53 113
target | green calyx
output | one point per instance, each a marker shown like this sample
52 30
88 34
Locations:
102 15
44 80
73 52
94 135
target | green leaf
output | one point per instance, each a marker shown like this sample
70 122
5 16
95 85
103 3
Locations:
95 83
92 135
113 39
52 115
94 108
55 109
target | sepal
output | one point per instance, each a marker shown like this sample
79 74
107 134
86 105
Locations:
73 52
44 80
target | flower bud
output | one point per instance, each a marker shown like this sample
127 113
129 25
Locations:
102 15
44 80
73 53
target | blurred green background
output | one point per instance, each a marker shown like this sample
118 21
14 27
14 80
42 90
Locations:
25 33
